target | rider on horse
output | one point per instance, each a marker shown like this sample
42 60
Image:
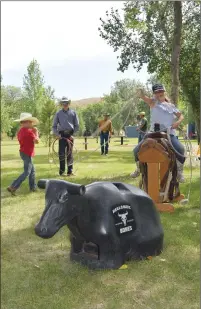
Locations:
164 113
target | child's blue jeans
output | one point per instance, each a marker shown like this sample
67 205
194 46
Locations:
29 171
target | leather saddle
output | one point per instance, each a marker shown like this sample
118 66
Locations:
159 141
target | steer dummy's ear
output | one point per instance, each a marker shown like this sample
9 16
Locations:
63 196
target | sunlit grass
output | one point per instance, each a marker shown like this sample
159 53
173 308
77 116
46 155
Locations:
37 273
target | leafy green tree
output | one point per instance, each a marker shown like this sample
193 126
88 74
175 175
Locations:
91 115
150 33
190 71
49 92
13 130
6 121
33 84
12 94
82 127
14 100
12 104
123 104
46 119
5 113
160 34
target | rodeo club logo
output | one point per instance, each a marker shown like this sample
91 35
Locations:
123 218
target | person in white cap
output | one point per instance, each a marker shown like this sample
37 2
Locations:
27 137
65 124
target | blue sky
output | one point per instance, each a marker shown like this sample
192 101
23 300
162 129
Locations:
64 39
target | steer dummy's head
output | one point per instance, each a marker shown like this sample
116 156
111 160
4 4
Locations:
60 206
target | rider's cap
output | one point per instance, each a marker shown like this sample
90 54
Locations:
106 114
158 87
65 100
142 113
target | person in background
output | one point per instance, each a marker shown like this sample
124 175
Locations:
65 124
105 129
142 126
164 113
27 137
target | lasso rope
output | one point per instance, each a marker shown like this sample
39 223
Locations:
54 153
69 148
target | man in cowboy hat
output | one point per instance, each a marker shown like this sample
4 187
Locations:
65 124
105 129
27 137
142 126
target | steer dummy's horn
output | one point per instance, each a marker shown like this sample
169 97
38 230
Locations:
42 183
75 189
72 188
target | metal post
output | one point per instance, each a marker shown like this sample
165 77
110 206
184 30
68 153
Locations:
85 143
122 140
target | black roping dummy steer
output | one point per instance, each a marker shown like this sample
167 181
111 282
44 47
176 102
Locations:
109 222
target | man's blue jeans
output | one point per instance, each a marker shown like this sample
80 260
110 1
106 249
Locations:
176 144
104 140
65 148
29 171
141 136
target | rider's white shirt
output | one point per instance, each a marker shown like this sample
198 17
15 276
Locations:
164 114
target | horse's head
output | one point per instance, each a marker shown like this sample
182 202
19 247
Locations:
59 206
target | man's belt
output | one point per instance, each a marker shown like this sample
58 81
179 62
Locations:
104 131
66 133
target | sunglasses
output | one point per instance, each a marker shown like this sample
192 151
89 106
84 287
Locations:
159 92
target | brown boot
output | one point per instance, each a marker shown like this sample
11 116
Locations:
11 190
180 176
70 174
136 173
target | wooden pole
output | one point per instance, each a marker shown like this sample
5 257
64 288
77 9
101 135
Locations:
122 140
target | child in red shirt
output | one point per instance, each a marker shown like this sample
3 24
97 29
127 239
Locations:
27 137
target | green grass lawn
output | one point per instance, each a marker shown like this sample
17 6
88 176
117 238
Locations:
37 273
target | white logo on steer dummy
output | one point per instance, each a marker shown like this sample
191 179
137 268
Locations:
124 220
123 217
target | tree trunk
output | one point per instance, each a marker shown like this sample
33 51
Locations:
197 124
176 48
